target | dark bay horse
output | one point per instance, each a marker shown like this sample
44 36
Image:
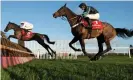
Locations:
34 36
80 32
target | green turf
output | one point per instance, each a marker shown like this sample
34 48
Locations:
108 68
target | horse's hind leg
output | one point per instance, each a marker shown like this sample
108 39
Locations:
107 42
52 50
108 35
41 42
97 56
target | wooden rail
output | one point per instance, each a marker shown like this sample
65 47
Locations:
13 54
8 51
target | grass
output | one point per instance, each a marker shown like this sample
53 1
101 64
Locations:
108 68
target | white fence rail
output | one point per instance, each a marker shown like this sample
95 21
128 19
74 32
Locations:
62 46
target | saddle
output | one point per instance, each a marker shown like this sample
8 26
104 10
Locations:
97 27
26 34
96 24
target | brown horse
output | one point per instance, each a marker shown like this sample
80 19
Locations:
34 36
80 32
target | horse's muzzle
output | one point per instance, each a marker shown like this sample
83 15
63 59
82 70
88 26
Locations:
54 15
5 30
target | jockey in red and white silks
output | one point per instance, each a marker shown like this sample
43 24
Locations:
26 25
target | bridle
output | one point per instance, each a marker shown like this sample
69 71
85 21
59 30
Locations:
63 18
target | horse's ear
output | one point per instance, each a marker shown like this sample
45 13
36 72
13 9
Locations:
9 22
65 4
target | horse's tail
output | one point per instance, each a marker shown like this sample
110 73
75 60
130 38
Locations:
124 33
47 38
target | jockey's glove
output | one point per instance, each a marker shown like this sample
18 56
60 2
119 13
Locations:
84 14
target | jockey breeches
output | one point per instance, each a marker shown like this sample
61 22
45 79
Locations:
93 16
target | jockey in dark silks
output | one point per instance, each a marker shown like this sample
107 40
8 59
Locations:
90 13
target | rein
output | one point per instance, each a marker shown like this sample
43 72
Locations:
74 24
63 18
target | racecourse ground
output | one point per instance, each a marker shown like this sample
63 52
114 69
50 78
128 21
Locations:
108 68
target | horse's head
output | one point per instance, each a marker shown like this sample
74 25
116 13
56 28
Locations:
60 12
8 27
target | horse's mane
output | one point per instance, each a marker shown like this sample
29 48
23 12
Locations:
71 11
15 24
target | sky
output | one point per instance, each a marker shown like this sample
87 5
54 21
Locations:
40 14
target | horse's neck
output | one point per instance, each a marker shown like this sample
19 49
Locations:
71 17
15 27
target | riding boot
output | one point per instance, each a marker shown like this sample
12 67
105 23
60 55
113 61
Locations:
89 22
89 25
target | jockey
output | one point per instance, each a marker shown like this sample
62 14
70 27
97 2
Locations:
89 13
26 25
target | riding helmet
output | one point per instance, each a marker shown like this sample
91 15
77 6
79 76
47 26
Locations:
82 4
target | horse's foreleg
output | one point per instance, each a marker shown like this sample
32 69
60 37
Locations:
46 47
83 47
41 42
11 36
47 38
51 50
73 41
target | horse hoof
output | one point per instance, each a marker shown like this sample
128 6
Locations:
54 52
93 59
89 56
53 43
99 58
